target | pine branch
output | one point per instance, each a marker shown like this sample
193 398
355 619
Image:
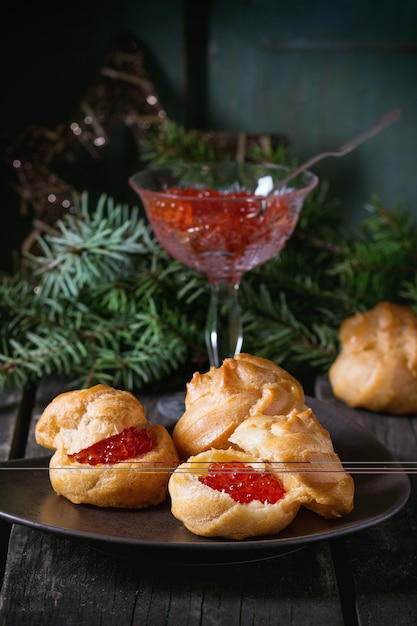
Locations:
172 142
296 302
102 302
381 257
124 322
87 248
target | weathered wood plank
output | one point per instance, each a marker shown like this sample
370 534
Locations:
49 577
9 407
384 565
383 559
321 76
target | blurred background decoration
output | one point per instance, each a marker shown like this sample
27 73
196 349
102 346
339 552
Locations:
93 91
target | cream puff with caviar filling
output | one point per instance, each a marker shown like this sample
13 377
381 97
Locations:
106 451
225 493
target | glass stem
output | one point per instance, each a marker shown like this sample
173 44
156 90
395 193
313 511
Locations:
223 333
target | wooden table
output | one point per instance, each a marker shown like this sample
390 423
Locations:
368 577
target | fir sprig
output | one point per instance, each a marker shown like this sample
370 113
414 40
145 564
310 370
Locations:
172 142
103 302
121 324
88 248
296 302
380 257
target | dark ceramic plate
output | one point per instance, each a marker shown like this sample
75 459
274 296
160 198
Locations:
27 498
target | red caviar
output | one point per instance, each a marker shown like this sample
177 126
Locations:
206 192
222 234
129 444
242 483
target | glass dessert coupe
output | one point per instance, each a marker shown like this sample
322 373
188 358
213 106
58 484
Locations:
222 219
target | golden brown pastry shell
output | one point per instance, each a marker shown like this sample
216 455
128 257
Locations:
210 513
377 366
297 443
77 419
137 483
220 399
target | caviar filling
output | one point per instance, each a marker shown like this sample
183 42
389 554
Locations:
129 444
243 483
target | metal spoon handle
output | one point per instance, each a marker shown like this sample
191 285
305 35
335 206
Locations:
387 120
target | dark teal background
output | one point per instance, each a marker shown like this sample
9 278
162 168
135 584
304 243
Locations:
318 71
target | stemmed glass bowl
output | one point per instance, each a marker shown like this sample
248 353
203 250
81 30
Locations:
222 219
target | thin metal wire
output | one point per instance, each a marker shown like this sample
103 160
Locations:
303 467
